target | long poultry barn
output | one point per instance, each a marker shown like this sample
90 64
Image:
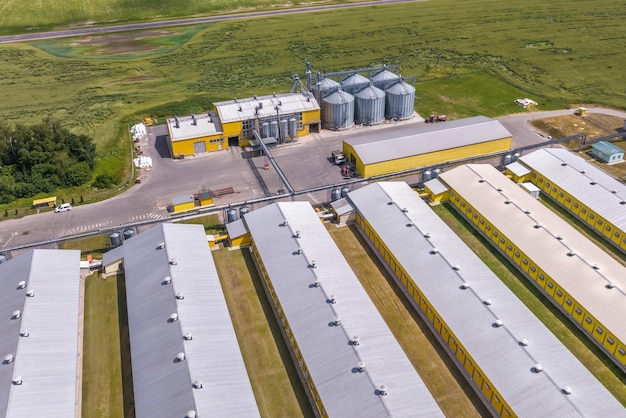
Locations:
379 152
515 364
579 277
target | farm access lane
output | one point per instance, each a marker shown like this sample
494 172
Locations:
100 30
306 164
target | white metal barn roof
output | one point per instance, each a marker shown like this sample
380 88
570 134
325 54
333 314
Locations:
43 340
547 246
575 175
265 106
193 126
330 357
377 146
411 231
181 279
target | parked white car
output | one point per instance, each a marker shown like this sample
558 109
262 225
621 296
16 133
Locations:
63 208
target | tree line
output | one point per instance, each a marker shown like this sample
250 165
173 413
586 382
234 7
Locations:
42 158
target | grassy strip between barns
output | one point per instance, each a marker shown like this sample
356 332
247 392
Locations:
211 223
447 385
274 379
573 338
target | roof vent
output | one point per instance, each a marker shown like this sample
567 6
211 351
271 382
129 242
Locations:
197 384
527 212
482 180
614 191
498 323
167 280
559 237
563 164
383 390
409 225
8 359
298 251
434 251
456 267
17 380
188 336
332 299
180 357
523 342
337 321
537 368
487 302
426 234
595 267
507 202
180 296
610 285
283 223
297 234
356 340
465 285
360 366
313 264
21 285
173 261
566 390
405 210
571 253
316 283
173 317
24 333
30 293
16 314
161 245
499 189
593 183
191 414
622 202
391 202
537 226
582 171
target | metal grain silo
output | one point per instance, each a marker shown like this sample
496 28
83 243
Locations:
354 83
338 110
283 130
265 129
293 128
323 87
384 79
400 101
274 129
369 106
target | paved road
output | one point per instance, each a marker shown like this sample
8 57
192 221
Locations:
191 21
306 164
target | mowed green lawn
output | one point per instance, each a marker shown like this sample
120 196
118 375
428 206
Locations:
447 385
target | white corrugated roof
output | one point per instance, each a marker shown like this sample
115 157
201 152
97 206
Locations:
518 169
236 229
265 106
575 274
378 146
195 126
162 385
402 226
575 175
47 359
436 186
326 349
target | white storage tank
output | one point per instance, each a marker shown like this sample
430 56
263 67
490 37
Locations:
369 106
400 101
338 110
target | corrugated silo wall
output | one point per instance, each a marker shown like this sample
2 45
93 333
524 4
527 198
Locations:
399 106
336 116
369 111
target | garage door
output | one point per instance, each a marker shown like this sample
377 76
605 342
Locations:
199 147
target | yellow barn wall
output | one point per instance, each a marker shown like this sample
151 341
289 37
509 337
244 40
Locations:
240 241
308 117
184 206
432 158
437 198
186 147
206 202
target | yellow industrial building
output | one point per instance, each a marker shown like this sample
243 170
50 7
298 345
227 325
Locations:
283 116
376 153
575 274
195 134
585 191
